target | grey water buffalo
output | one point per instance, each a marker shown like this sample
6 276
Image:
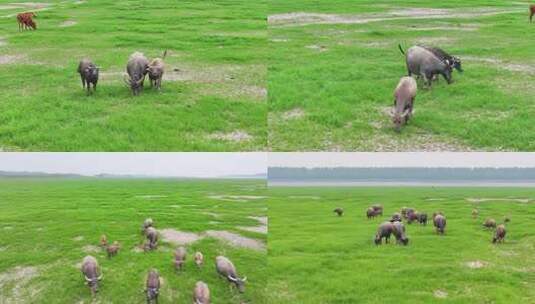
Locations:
113 249
155 70
152 238
378 209
399 232
201 293
91 271
412 216
89 74
404 96
339 211
136 69
152 286
226 269
199 259
422 218
371 213
396 217
439 221
422 62
146 224
499 235
454 62
180 258
384 231
489 223
406 210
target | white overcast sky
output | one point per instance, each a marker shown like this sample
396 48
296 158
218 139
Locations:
152 164
416 159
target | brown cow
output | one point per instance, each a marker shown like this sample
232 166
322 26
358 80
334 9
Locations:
25 21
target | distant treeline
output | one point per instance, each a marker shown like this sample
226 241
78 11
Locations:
401 174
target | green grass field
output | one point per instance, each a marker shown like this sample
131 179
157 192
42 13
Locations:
317 257
213 96
49 225
331 76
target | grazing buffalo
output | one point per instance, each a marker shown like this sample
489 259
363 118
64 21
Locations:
199 259
180 258
201 293
399 232
152 238
404 95
89 74
422 218
152 287
489 223
378 209
422 62
384 231
405 211
371 213
439 221
499 235
91 272
113 249
155 70
137 69
146 224
226 269
396 217
453 61
339 211
412 216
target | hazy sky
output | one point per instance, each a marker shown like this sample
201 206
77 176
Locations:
438 159
155 164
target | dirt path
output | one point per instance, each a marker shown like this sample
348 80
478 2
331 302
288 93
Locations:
303 18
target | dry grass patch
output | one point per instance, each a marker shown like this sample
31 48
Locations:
235 136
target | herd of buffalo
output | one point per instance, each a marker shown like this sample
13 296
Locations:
396 227
137 67
201 293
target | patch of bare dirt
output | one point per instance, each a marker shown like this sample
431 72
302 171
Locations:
262 228
236 198
78 238
303 18
441 294
68 23
279 40
138 249
319 48
10 59
16 281
237 240
476 264
487 199
151 196
179 237
91 249
435 40
500 64
305 197
296 113
235 136
464 28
